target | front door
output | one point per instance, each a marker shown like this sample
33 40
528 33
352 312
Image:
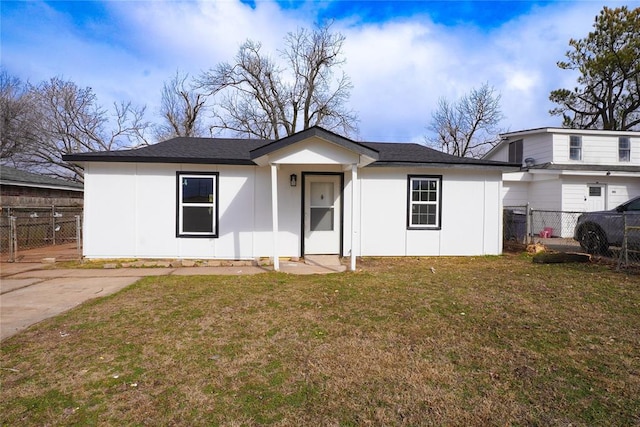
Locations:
322 214
595 198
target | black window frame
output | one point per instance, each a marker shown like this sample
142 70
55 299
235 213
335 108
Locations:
215 204
410 179
626 150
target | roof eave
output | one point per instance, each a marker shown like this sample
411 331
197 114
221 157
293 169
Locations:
534 131
501 167
140 159
36 185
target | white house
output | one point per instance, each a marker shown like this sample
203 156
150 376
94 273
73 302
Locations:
569 170
314 192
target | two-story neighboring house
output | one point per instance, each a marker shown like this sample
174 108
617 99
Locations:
569 169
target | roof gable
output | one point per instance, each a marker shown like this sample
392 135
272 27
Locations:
310 151
314 134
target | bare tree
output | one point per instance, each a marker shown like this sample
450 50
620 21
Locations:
68 119
469 126
17 117
257 97
181 109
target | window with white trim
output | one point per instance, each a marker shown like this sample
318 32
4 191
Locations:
575 147
424 207
624 149
197 204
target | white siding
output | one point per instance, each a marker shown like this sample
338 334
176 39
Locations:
130 212
596 150
617 191
109 210
471 214
500 153
545 194
155 210
620 190
635 150
574 194
383 214
515 193
538 147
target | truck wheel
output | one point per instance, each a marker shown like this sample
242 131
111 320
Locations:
593 240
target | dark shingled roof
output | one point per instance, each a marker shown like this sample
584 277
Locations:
11 176
398 153
180 150
242 151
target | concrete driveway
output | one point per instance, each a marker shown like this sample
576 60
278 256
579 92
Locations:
29 294
32 292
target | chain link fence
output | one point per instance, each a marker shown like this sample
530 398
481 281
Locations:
630 249
555 230
25 228
515 221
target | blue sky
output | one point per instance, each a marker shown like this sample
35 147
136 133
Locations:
402 56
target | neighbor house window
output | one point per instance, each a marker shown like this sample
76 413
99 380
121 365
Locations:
424 208
624 149
515 151
575 147
197 204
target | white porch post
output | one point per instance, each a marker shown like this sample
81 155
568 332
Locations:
354 214
274 215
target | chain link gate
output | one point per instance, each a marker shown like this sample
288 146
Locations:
27 228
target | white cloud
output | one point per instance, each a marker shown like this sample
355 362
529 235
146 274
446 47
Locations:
399 68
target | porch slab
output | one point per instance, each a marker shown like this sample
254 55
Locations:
323 260
304 268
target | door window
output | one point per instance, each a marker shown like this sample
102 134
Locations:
321 206
595 191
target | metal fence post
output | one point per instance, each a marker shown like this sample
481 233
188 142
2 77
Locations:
13 239
78 236
624 253
529 231
53 225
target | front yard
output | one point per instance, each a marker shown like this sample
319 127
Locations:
444 341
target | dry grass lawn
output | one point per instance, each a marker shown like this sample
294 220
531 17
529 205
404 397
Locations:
480 341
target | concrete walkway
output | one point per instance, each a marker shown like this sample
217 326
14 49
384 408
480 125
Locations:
32 292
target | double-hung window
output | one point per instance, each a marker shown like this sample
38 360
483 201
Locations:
515 151
197 204
624 149
425 202
575 147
